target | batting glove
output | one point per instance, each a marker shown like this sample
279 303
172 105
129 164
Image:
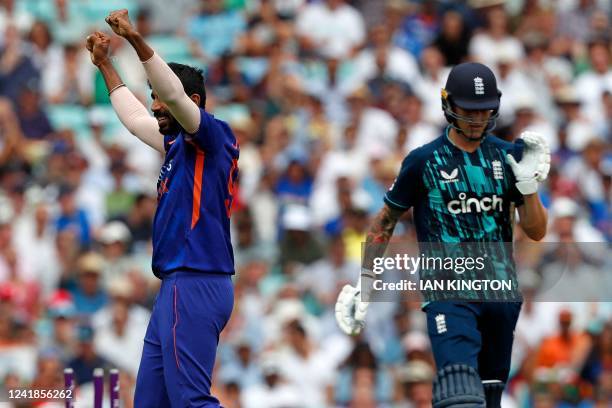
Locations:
351 310
535 164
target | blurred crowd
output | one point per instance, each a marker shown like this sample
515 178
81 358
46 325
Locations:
326 98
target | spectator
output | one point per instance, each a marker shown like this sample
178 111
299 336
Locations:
115 240
417 131
567 348
140 219
33 120
495 39
86 359
299 244
243 368
453 38
120 329
295 184
600 354
61 336
385 59
274 392
434 75
331 27
215 28
72 217
575 23
88 293
526 118
323 278
70 80
305 365
46 52
248 246
48 375
375 127
414 385
588 166
594 82
418 29
36 235
16 66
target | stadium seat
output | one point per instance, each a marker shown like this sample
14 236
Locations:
96 11
170 48
68 117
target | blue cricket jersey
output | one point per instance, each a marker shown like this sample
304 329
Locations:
462 197
191 228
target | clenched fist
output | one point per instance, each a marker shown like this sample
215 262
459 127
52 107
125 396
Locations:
119 21
98 46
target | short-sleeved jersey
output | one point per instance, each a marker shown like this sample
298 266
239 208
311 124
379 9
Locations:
461 197
191 228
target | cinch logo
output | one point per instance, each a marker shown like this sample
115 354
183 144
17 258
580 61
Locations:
450 178
478 86
466 205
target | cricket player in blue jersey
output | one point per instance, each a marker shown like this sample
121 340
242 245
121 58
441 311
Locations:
192 252
463 187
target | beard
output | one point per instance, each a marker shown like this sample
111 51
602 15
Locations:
166 122
474 133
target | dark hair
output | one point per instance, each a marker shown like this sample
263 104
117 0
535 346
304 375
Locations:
192 80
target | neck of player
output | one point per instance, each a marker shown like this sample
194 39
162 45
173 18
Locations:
462 142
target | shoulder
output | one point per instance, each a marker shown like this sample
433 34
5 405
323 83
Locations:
504 145
499 143
516 148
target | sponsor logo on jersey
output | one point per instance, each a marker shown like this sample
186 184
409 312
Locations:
498 170
450 178
478 86
466 205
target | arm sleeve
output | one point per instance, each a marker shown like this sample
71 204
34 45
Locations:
408 184
169 89
136 118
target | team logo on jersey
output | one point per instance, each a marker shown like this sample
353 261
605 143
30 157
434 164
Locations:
466 205
441 324
478 86
163 179
450 178
498 170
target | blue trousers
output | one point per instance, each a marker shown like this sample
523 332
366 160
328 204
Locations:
180 345
477 334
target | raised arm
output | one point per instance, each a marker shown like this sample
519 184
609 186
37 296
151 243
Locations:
164 81
133 114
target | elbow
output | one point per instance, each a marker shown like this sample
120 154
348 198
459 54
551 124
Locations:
172 96
536 235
